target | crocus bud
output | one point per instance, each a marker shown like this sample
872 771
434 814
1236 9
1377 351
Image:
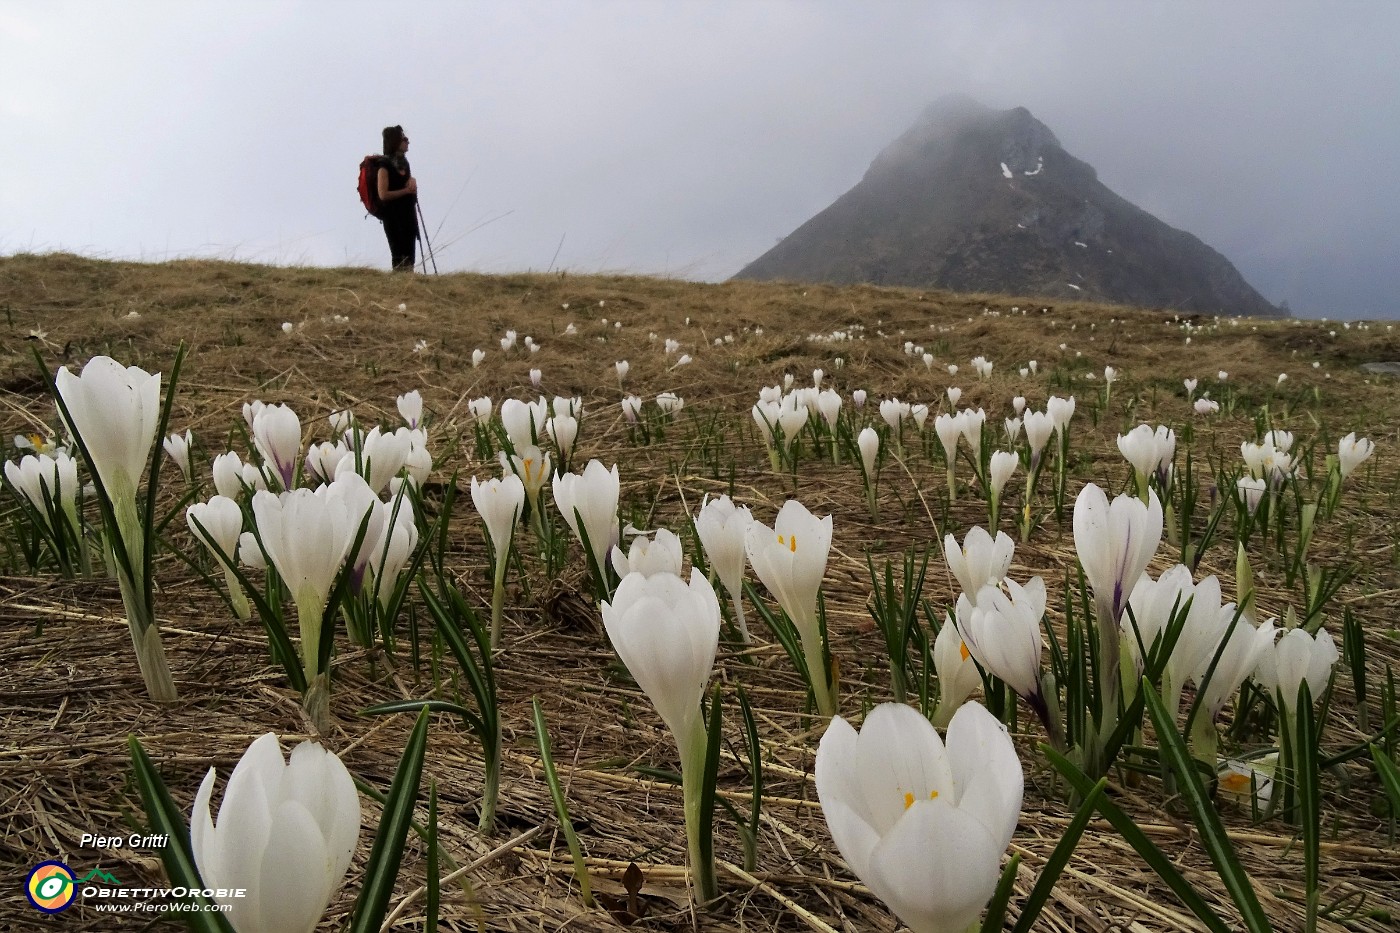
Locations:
591 497
500 503
277 436
722 526
228 474
667 631
869 443
1001 465
178 447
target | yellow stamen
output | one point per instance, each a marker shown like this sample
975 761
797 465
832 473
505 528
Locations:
792 545
909 798
962 650
1235 783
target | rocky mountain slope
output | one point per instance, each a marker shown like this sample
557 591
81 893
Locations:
980 200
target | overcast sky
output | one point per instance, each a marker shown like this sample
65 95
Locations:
684 138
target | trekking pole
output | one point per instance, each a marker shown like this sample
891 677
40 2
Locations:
423 235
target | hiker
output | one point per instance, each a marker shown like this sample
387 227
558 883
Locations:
398 198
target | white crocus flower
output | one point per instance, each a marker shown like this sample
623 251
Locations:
1253 492
667 632
829 405
228 474
949 429
621 367
1060 410
1139 448
858 398
1001 626
894 412
632 408
869 443
1001 465
790 560
480 408
563 430
277 436
1114 543
1247 645
285 836
722 528
954 393
1294 658
591 498
670 403
500 503
981 560
522 421
1039 426
307 536
958 677
410 407
115 409
40 477
323 458
1154 604
218 525
478 357
381 458
1352 452
661 553
921 823
178 447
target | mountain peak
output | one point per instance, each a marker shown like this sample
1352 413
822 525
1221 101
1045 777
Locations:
971 198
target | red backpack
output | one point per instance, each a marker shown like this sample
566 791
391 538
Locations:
369 183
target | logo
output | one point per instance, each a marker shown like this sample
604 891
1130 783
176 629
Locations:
51 887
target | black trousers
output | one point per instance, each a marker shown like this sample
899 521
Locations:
401 229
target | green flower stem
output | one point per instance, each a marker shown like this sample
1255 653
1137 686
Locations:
498 598
694 749
316 702
490 791
737 598
140 619
317 699
236 595
816 668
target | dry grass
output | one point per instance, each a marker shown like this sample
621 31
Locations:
70 693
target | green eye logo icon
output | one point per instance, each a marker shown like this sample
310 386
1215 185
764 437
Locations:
50 887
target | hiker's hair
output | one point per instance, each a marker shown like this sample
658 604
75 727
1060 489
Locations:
393 135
